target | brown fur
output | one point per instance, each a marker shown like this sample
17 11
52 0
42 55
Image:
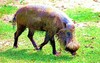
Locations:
48 20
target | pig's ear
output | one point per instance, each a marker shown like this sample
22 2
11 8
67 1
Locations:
74 21
58 22
61 32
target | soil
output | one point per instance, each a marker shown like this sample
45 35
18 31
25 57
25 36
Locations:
60 4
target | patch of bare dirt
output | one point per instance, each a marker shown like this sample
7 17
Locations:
4 44
7 18
7 43
60 4
87 24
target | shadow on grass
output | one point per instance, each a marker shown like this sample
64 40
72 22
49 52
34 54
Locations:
30 55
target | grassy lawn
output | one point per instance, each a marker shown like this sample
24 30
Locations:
7 10
88 36
80 14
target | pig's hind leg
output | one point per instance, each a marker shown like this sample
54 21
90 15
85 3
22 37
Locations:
19 31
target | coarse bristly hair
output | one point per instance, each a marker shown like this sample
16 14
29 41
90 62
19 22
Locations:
72 46
60 38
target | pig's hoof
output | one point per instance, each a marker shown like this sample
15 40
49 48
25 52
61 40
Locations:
74 53
15 46
40 48
58 54
37 48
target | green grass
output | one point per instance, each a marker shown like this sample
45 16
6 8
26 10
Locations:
89 38
90 42
88 53
7 10
80 14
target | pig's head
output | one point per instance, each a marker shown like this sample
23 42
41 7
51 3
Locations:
67 39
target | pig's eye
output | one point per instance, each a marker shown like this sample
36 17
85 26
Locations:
68 34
